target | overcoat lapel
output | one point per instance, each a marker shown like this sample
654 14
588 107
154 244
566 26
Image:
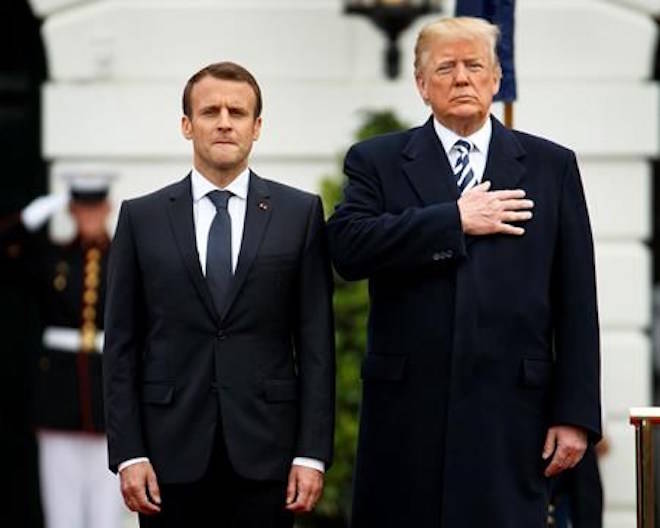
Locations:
182 223
504 167
257 216
428 168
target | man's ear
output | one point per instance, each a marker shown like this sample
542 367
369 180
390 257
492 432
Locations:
498 79
421 86
256 132
186 127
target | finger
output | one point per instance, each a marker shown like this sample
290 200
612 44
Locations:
138 502
575 457
152 486
129 503
550 442
516 205
482 187
313 495
572 461
316 495
298 505
134 489
507 229
556 466
509 194
291 488
302 497
516 216
144 505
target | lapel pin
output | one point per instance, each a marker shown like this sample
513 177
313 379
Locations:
264 206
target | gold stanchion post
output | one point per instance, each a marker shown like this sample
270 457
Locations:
644 419
508 114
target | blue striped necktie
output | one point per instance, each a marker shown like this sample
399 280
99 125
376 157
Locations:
465 177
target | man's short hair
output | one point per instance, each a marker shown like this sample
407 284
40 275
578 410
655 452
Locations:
453 29
228 71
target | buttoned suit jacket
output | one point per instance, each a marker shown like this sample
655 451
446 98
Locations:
263 370
476 345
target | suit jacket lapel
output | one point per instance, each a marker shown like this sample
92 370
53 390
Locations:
257 216
182 223
504 167
428 168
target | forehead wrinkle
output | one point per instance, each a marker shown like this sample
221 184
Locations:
207 95
446 47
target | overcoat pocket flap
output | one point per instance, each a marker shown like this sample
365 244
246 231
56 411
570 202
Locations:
158 393
276 390
536 372
388 368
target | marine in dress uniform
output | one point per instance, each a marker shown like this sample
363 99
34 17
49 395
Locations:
68 281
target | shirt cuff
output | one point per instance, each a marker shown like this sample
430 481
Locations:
130 462
318 465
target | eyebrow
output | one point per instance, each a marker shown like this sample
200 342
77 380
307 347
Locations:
229 106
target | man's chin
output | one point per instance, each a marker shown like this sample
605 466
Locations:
225 164
468 112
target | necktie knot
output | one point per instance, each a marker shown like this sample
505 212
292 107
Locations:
220 198
463 147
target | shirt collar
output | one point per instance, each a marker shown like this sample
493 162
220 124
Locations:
480 139
202 186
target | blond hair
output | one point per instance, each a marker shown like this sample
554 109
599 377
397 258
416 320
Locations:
453 29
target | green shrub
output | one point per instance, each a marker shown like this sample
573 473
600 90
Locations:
351 302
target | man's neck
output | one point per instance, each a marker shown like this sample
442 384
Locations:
219 177
463 128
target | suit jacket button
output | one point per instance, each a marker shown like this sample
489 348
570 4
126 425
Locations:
221 335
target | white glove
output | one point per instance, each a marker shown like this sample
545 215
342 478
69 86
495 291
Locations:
39 210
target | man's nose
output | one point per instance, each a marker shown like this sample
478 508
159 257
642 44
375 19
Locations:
461 75
223 119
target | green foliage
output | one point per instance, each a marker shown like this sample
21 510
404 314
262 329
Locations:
377 123
351 302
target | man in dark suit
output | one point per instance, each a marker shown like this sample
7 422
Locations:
219 353
481 378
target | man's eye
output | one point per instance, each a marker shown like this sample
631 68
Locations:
444 68
475 66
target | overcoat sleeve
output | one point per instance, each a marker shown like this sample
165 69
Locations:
575 312
366 239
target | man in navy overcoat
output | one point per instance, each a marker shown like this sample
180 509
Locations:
481 378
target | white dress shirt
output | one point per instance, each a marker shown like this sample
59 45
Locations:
480 141
203 213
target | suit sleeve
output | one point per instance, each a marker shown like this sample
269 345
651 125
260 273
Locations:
314 344
366 239
575 312
124 337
